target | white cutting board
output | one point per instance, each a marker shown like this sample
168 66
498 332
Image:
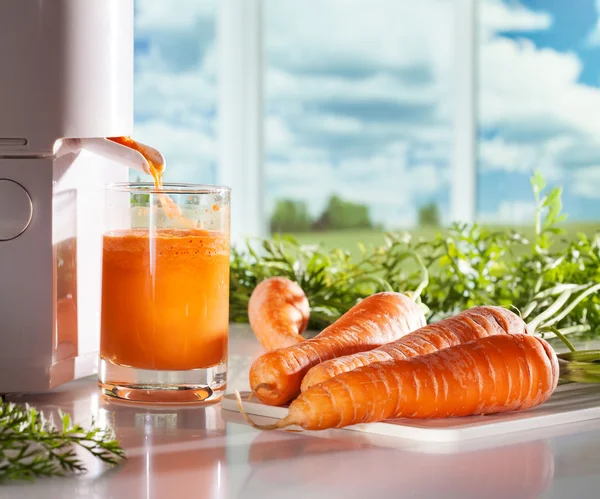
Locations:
568 404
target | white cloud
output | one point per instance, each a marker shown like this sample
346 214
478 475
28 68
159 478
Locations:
498 15
280 142
498 154
283 85
159 91
586 182
292 180
528 88
153 15
331 123
541 115
384 182
593 37
175 105
511 213
351 92
438 151
277 134
377 54
188 152
426 179
172 96
326 73
349 34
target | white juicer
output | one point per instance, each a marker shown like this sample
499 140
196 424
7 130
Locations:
66 83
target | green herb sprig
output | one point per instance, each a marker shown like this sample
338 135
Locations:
32 446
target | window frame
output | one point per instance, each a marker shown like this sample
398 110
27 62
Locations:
240 111
463 166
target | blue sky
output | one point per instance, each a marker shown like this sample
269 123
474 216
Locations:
175 85
539 102
360 97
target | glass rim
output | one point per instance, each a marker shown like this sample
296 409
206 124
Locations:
168 188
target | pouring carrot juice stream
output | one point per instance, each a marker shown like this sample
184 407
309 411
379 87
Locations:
164 291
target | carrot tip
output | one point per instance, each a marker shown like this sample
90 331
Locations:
273 426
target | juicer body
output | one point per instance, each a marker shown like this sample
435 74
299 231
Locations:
66 72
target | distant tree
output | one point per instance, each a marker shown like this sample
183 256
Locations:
139 199
429 215
340 214
290 216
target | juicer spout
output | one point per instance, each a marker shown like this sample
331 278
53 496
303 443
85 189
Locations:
113 151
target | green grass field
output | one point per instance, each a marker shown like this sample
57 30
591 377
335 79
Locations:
349 239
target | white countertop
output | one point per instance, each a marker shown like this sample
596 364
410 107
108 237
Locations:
181 452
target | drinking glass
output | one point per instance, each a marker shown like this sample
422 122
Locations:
165 292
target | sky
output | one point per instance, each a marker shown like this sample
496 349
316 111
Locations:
360 96
539 105
175 85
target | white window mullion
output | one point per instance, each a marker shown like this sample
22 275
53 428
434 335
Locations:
463 199
240 111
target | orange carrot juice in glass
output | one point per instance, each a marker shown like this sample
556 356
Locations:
165 293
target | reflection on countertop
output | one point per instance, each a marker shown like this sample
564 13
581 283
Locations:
518 471
204 452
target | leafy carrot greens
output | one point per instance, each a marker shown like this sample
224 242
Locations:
468 265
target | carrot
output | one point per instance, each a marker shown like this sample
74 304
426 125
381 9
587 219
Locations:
490 375
472 324
275 377
278 312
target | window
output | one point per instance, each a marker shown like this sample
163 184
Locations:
358 116
176 85
339 119
539 102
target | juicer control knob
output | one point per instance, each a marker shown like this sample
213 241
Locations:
16 209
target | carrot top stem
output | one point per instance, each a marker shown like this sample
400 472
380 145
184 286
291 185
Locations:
416 294
581 356
579 366
555 312
562 337
549 312
572 305
579 377
578 328
529 309
560 288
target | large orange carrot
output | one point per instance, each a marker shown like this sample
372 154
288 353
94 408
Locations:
472 324
278 312
494 374
275 377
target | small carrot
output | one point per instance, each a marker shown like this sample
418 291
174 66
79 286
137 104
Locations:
490 375
472 324
275 377
278 312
